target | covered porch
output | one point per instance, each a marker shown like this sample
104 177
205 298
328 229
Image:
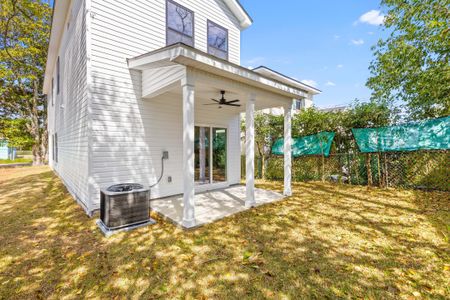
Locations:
196 77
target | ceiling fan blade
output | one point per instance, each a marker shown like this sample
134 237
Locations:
211 104
233 101
215 100
233 104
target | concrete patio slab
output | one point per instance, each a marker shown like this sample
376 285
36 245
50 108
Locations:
212 205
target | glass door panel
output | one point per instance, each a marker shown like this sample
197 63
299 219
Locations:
202 155
219 154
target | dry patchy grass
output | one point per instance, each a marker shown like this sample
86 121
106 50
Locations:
326 241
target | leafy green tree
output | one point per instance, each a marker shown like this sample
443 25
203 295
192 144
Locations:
369 114
363 115
312 121
24 29
15 131
268 128
411 65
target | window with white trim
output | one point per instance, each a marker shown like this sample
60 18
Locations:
179 24
55 147
57 76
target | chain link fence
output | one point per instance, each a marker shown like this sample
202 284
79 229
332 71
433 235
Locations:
429 170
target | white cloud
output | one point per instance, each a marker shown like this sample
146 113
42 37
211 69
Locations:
357 42
339 66
372 17
336 37
310 82
255 61
371 33
330 83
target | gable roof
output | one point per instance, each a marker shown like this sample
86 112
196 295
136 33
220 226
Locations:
60 9
286 79
239 12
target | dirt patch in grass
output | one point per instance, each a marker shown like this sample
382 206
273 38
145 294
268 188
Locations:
326 241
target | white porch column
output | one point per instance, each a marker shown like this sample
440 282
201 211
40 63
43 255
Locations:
287 150
250 151
188 87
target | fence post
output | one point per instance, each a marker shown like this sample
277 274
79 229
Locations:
369 169
386 173
358 164
380 183
323 168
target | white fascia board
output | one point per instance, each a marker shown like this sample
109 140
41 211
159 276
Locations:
60 10
240 13
283 78
188 56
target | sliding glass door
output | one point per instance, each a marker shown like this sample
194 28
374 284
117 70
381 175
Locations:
219 155
202 153
210 155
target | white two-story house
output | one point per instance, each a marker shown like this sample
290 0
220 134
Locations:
127 80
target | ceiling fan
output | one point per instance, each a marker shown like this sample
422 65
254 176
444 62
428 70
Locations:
223 101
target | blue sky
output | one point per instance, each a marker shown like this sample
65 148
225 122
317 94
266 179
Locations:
324 42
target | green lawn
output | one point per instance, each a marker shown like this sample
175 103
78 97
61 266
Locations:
326 241
15 161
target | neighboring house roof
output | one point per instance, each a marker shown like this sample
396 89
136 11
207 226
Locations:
335 108
60 9
263 70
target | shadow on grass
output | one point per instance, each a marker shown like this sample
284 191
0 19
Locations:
324 242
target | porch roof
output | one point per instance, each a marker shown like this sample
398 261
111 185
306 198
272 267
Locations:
188 56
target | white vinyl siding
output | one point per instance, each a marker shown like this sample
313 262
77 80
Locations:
161 79
130 133
105 132
129 140
125 29
68 117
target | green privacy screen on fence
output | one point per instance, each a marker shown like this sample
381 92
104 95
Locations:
426 135
316 144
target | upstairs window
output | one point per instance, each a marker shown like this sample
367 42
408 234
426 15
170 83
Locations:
57 76
53 91
217 40
180 24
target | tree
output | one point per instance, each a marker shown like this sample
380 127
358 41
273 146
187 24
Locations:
268 128
411 65
15 132
25 28
370 114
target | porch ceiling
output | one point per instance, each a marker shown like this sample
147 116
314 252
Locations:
216 69
205 90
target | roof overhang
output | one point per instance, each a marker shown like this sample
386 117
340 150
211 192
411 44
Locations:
194 58
60 9
286 79
239 12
